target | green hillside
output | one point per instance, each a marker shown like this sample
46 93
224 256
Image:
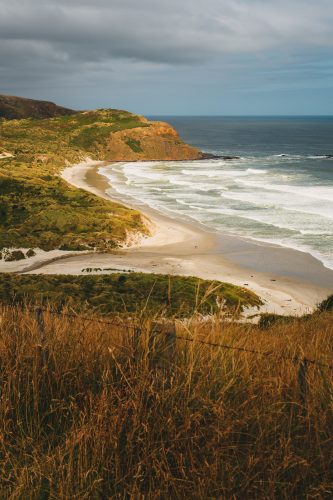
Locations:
127 292
38 209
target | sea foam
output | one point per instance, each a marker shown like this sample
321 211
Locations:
271 198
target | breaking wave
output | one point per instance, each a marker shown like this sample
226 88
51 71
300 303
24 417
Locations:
268 198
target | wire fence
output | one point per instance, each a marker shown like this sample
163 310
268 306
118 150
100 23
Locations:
160 330
162 356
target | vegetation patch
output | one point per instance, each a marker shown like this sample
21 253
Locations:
91 135
130 292
326 305
14 255
37 208
134 144
49 214
268 320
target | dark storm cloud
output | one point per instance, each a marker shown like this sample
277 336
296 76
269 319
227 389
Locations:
59 42
83 32
161 31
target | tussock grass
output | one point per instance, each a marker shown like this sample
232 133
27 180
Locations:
87 412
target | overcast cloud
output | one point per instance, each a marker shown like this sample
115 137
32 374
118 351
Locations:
153 56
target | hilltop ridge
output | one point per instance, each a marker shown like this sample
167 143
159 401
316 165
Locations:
112 134
16 108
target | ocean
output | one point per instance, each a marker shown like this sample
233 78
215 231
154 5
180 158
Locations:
279 190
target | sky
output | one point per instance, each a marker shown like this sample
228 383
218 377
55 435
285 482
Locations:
171 57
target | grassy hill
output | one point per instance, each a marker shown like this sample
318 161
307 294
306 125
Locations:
12 107
38 209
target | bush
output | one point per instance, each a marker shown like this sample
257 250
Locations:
14 255
270 319
30 253
326 305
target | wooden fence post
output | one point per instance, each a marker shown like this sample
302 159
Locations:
136 342
162 344
41 324
303 383
42 351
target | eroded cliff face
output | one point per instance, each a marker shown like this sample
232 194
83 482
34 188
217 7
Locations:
152 141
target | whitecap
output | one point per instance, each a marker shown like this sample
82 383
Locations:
256 171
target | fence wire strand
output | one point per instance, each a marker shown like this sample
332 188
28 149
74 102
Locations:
186 339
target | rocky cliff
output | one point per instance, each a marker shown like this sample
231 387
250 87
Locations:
156 141
118 135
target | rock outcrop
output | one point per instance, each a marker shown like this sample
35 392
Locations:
155 141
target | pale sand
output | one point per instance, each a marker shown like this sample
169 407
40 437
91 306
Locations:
5 155
294 282
37 260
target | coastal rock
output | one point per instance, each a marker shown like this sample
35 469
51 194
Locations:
210 156
230 157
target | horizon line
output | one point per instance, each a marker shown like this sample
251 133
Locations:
241 116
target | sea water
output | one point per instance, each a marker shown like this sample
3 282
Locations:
279 190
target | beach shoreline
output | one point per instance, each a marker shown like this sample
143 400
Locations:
178 247
289 282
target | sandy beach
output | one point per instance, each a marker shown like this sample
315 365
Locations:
288 281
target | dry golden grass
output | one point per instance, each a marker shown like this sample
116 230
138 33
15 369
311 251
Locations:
87 413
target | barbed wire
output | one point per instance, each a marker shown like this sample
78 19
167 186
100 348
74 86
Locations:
253 351
186 339
94 320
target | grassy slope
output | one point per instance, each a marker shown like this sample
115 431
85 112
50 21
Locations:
37 207
12 107
130 292
42 211
89 415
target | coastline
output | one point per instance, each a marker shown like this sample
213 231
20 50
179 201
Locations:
288 281
178 247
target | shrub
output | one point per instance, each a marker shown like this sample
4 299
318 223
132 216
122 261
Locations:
117 293
270 319
14 255
30 253
327 304
134 145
